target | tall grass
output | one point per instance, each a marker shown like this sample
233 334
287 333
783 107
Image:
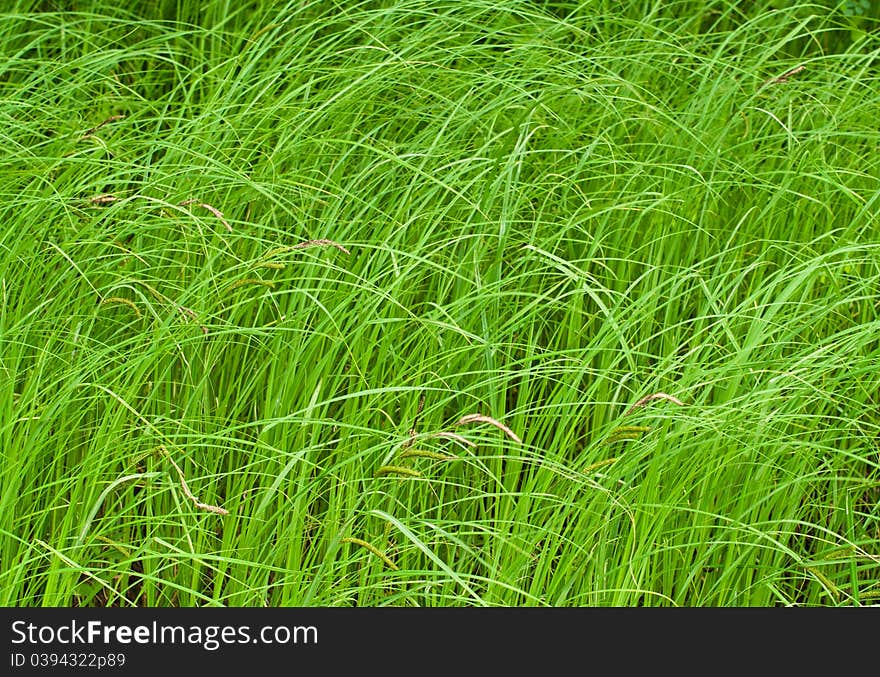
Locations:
271 259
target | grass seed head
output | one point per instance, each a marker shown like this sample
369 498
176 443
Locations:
103 199
124 301
479 418
397 470
186 491
373 549
654 396
216 212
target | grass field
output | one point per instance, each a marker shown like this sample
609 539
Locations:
439 303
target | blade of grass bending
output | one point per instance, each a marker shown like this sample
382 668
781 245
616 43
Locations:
97 505
428 552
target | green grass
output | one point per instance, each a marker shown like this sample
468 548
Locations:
544 212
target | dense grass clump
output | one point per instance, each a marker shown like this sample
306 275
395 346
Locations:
439 303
